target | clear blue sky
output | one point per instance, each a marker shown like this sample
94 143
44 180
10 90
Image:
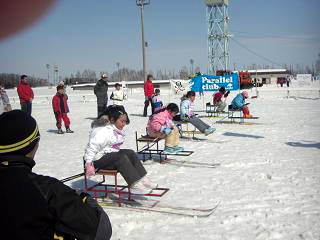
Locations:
96 34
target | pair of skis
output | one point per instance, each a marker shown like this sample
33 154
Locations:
157 207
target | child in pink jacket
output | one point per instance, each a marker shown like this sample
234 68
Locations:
160 125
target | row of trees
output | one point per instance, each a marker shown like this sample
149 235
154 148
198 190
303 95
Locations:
11 80
126 74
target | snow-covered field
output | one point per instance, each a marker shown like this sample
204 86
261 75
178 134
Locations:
268 182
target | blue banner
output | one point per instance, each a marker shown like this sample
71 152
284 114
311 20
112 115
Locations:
206 83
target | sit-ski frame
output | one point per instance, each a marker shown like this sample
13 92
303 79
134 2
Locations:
119 190
151 147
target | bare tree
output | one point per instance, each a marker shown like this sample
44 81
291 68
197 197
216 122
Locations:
317 65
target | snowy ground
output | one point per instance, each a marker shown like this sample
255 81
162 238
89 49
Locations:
268 182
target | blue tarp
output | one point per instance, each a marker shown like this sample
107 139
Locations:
206 83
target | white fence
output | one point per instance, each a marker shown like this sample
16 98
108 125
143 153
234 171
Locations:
286 92
303 93
48 99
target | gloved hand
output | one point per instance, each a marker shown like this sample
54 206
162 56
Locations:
90 169
167 131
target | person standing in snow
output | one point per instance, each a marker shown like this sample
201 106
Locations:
148 93
61 109
117 96
33 206
5 105
103 151
25 94
101 92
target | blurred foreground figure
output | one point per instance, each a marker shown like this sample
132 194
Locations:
33 206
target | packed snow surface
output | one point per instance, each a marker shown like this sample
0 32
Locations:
268 183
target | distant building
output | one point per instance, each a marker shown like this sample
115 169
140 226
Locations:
268 76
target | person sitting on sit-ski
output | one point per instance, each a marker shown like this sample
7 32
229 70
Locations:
160 125
219 99
103 151
239 103
187 114
156 101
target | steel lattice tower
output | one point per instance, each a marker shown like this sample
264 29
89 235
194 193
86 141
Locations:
218 35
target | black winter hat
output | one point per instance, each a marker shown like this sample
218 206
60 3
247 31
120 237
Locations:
60 87
222 90
19 133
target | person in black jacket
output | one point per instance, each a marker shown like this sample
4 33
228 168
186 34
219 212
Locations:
33 206
101 92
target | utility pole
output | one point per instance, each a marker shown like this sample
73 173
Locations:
55 75
48 67
118 67
191 63
141 3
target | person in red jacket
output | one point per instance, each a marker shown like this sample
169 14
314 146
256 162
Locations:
219 99
61 109
148 93
25 94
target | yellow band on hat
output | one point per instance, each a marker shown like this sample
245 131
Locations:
21 144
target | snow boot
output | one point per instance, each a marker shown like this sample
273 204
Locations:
209 131
169 150
139 188
148 184
68 130
179 149
60 131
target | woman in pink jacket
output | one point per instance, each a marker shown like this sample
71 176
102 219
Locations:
160 125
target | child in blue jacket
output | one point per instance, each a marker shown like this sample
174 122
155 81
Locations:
239 103
156 101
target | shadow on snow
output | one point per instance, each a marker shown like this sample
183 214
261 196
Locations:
231 134
305 145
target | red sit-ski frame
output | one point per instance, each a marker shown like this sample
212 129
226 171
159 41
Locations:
120 190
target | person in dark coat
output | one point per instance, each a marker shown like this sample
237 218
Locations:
33 206
148 93
101 91
25 94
